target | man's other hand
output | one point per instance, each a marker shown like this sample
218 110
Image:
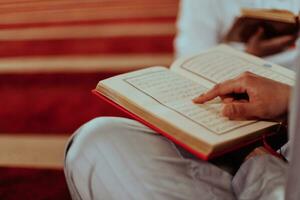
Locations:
266 99
261 47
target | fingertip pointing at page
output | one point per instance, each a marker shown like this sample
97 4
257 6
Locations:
199 99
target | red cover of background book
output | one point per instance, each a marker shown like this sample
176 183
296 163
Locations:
185 146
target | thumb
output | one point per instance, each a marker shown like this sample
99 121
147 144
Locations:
257 35
237 110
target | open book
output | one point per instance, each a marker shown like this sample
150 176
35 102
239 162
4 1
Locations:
161 98
274 22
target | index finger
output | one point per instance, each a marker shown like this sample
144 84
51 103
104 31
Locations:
221 89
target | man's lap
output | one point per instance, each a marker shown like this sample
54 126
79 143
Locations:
118 158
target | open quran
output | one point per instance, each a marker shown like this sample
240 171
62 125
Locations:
161 98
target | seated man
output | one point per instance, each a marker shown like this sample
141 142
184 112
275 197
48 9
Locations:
118 158
204 24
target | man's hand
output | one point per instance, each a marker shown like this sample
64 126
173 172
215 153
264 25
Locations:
266 99
261 47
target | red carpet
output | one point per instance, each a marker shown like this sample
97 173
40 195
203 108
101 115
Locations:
50 101
17 184
104 46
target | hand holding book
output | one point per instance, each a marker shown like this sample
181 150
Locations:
264 31
259 46
261 102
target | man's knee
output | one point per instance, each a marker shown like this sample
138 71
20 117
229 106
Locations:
101 126
82 150
92 133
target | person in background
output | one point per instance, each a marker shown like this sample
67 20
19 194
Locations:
204 24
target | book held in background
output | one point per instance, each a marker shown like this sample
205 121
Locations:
161 98
274 23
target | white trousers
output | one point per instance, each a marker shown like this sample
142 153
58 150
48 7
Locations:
118 158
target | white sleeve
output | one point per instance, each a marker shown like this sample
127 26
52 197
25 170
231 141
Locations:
286 58
197 26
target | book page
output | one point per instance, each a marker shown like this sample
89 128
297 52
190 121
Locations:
223 63
176 93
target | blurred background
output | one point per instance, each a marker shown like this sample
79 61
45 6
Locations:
52 54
